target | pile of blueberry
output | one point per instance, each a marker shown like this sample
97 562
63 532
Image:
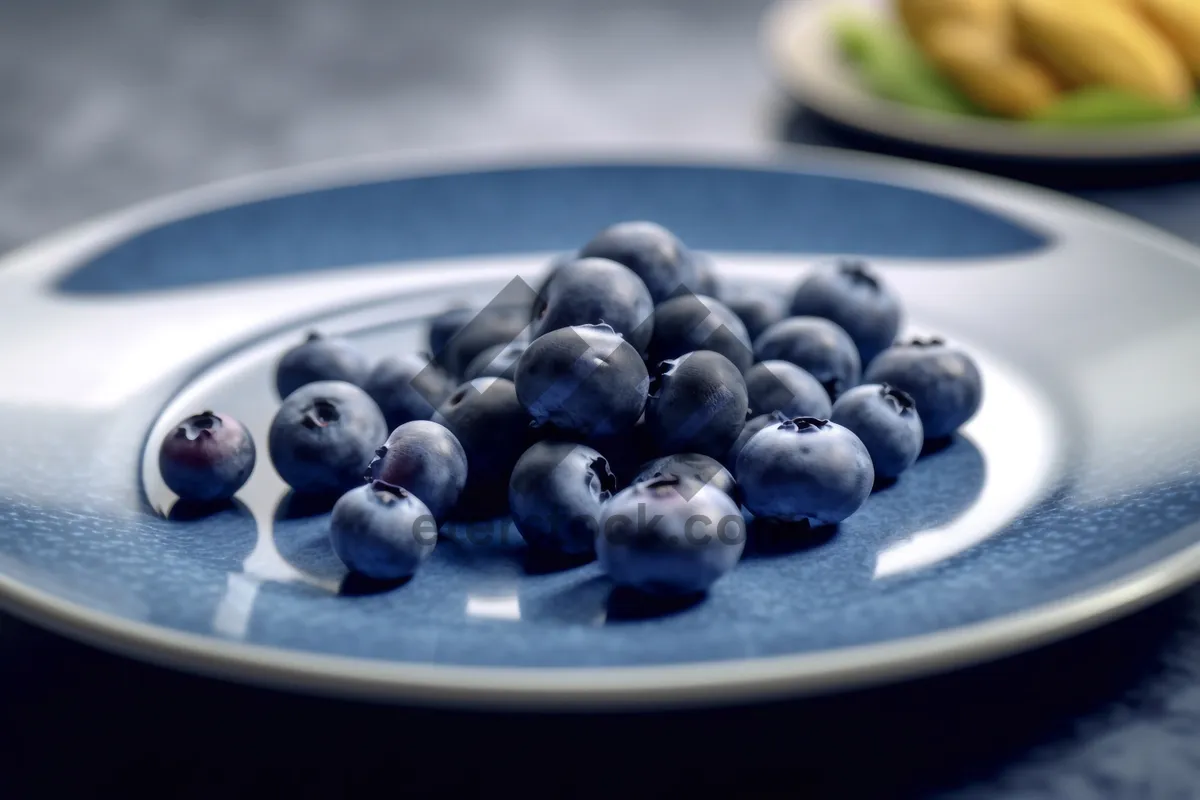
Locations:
628 407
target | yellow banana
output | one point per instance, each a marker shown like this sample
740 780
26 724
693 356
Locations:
996 78
921 17
1179 22
1103 43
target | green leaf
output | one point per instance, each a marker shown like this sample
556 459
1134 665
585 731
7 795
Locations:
893 67
1101 106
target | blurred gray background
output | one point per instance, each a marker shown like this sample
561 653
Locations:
108 102
104 103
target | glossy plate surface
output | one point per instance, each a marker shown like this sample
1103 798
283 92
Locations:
802 51
1072 497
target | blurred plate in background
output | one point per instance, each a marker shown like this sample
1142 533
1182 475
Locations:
798 37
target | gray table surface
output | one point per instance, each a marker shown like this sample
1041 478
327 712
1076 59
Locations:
107 102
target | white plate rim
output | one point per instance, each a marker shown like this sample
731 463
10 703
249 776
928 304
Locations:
804 60
583 688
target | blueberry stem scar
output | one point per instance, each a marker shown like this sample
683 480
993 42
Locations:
321 414
856 270
608 481
388 493
806 423
663 482
199 425
900 400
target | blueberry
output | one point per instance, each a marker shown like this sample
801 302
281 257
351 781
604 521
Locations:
593 291
427 460
692 466
558 262
942 380
757 311
556 495
886 421
382 532
625 452
670 535
324 436
782 386
752 427
804 469
207 457
705 281
407 388
693 322
494 430
814 344
498 361
850 293
498 324
698 405
585 379
650 250
320 358
445 325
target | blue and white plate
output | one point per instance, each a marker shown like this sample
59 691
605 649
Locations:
1072 497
